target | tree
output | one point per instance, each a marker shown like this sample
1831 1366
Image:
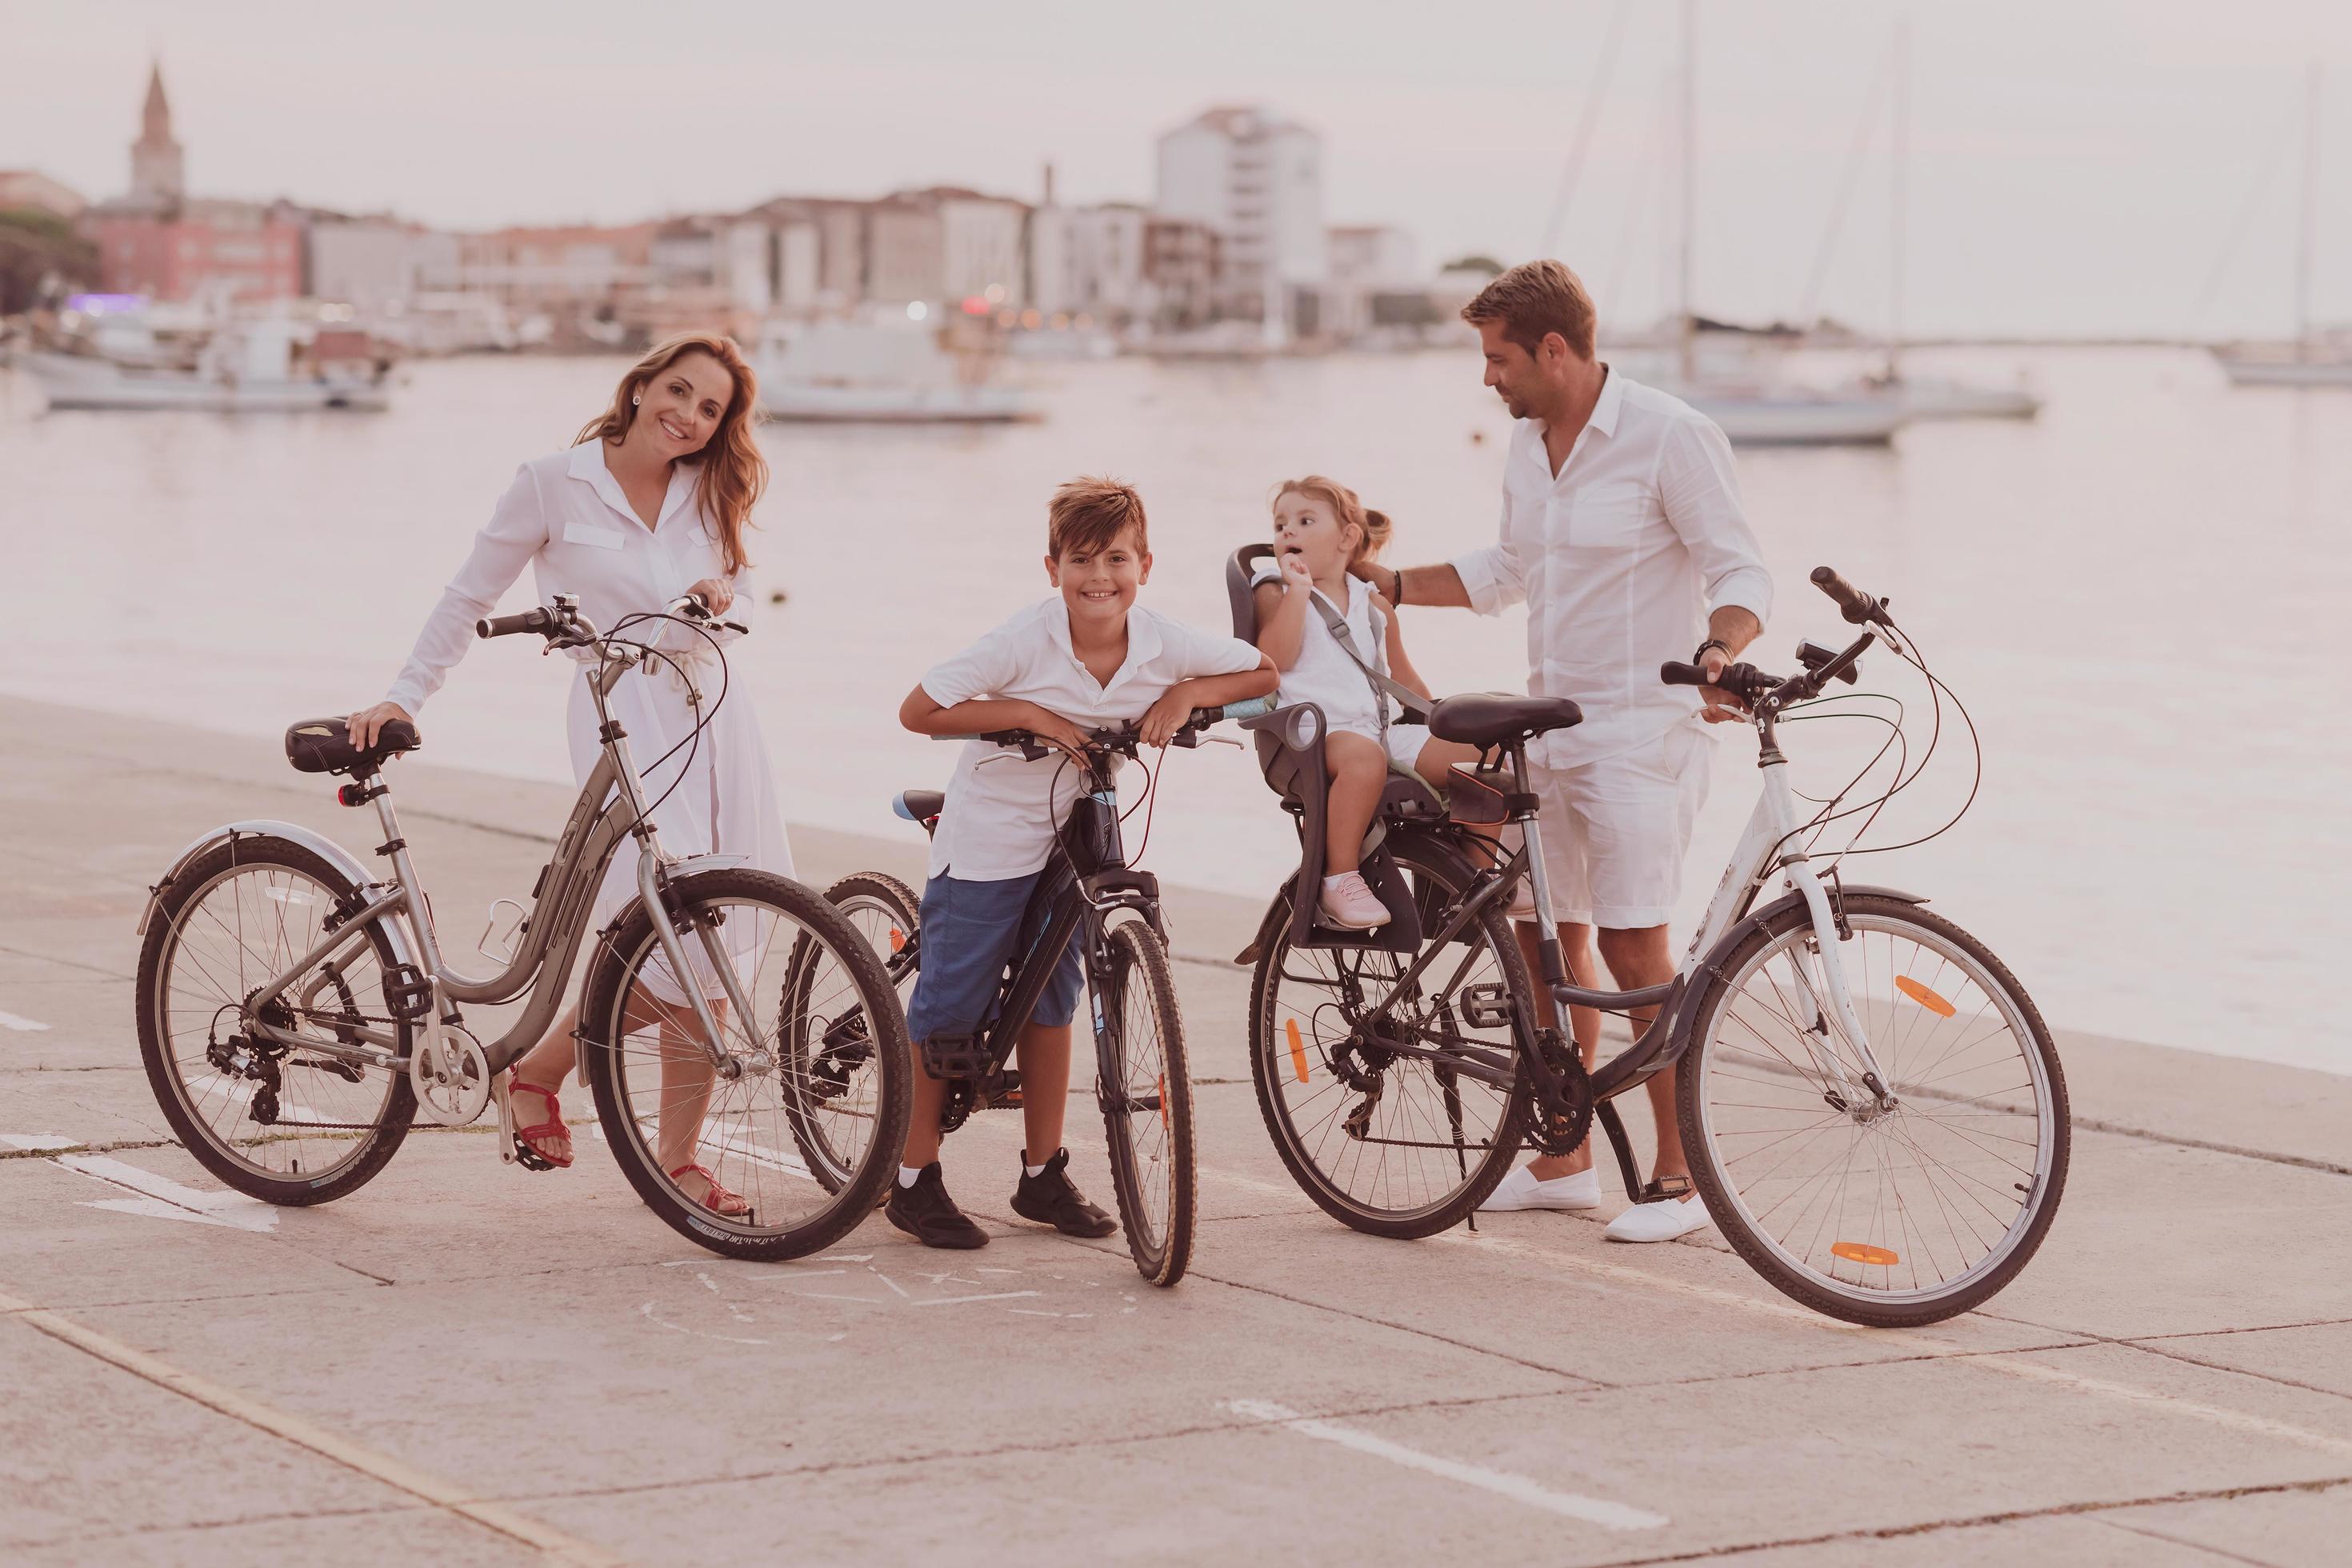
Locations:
39 251
1485 264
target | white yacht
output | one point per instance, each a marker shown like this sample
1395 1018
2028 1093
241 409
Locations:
266 367
879 373
2309 358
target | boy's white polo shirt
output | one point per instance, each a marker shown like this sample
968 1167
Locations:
1000 820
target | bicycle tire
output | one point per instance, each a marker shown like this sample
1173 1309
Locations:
627 951
1271 1057
377 1144
1718 1190
1161 1246
859 892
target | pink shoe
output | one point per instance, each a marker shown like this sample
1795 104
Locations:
1350 903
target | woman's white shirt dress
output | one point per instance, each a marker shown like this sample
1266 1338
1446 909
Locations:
566 517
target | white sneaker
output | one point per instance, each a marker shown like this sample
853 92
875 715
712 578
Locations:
1350 902
1523 1189
1660 1221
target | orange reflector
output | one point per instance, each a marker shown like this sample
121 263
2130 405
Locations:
1855 1252
1297 1048
1925 997
898 939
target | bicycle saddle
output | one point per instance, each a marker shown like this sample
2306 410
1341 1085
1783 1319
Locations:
921 805
1491 718
324 746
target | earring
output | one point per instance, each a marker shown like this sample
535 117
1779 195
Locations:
634 400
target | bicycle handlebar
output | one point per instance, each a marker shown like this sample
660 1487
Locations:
539 618
1124 737
1858 607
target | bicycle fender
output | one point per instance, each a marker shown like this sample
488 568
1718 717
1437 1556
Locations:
318 844
1687 1006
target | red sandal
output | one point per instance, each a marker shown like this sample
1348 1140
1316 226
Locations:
527 1153
716 1199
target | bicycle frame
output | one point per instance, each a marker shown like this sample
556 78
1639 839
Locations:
610 806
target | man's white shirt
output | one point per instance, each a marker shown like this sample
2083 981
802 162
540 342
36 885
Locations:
1002 809
1620 558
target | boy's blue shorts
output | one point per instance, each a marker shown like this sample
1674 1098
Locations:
970 931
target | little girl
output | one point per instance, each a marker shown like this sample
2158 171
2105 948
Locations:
1320 530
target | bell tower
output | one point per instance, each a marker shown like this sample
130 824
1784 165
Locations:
157 172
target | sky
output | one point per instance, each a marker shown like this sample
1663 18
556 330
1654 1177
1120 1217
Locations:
2076 166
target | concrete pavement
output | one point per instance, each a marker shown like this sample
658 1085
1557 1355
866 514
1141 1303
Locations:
466 1362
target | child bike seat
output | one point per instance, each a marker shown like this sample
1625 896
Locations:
919 805
324 746
1484 719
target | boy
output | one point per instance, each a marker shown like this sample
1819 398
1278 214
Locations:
1088 658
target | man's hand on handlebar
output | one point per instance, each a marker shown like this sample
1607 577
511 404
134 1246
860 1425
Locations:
1721 707
366 725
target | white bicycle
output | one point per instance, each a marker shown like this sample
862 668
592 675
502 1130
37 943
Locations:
1874 1114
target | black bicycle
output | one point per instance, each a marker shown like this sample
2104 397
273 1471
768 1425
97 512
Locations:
1089 894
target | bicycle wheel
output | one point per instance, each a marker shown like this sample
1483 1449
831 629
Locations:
662 1107
1891 1218
1147 1096
1392 1145
274 1121
828 1092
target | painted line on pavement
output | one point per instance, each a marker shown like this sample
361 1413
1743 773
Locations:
160 1198
303 1433
2009 1365
956 1300
1502 1483
22 1026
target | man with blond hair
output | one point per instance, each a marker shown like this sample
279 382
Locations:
1623 532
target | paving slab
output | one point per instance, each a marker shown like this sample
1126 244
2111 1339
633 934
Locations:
88 1449
2310 1356
2295 1525
2079 1541
409 1535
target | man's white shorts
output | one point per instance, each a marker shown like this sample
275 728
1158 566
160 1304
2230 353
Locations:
1615 831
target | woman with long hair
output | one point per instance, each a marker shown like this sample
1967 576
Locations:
649 503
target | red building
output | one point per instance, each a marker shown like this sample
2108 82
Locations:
197 250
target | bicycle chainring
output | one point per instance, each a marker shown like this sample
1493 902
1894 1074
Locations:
1561 1123
450 1074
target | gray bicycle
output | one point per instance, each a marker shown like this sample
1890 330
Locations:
297 1014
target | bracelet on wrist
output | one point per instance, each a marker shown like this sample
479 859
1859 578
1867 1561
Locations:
1700 656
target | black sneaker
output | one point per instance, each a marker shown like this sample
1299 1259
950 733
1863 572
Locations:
925 1212
1050 1197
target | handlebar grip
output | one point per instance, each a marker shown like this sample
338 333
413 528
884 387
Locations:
1856 606
537 619
1674 672
1248 708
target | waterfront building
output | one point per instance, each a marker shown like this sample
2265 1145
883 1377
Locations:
1257 180
1183 263
1089 259
378 265
1376 279
29 190
215 252
817 250
945 244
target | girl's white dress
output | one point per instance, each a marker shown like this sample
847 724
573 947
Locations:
566 517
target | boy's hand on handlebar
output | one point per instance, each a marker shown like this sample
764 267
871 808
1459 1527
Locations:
716 593
1168 715
366 725
1056 731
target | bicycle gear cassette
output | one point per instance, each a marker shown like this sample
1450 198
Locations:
450 1073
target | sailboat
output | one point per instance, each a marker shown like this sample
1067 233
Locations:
1753 412
2309 359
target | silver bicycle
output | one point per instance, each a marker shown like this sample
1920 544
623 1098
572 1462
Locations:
1874 1111
297 1014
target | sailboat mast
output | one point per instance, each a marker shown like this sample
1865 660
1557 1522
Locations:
1689 355
1899 159
2302 257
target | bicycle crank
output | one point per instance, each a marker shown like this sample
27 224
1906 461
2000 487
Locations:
1563 1113
450 1073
